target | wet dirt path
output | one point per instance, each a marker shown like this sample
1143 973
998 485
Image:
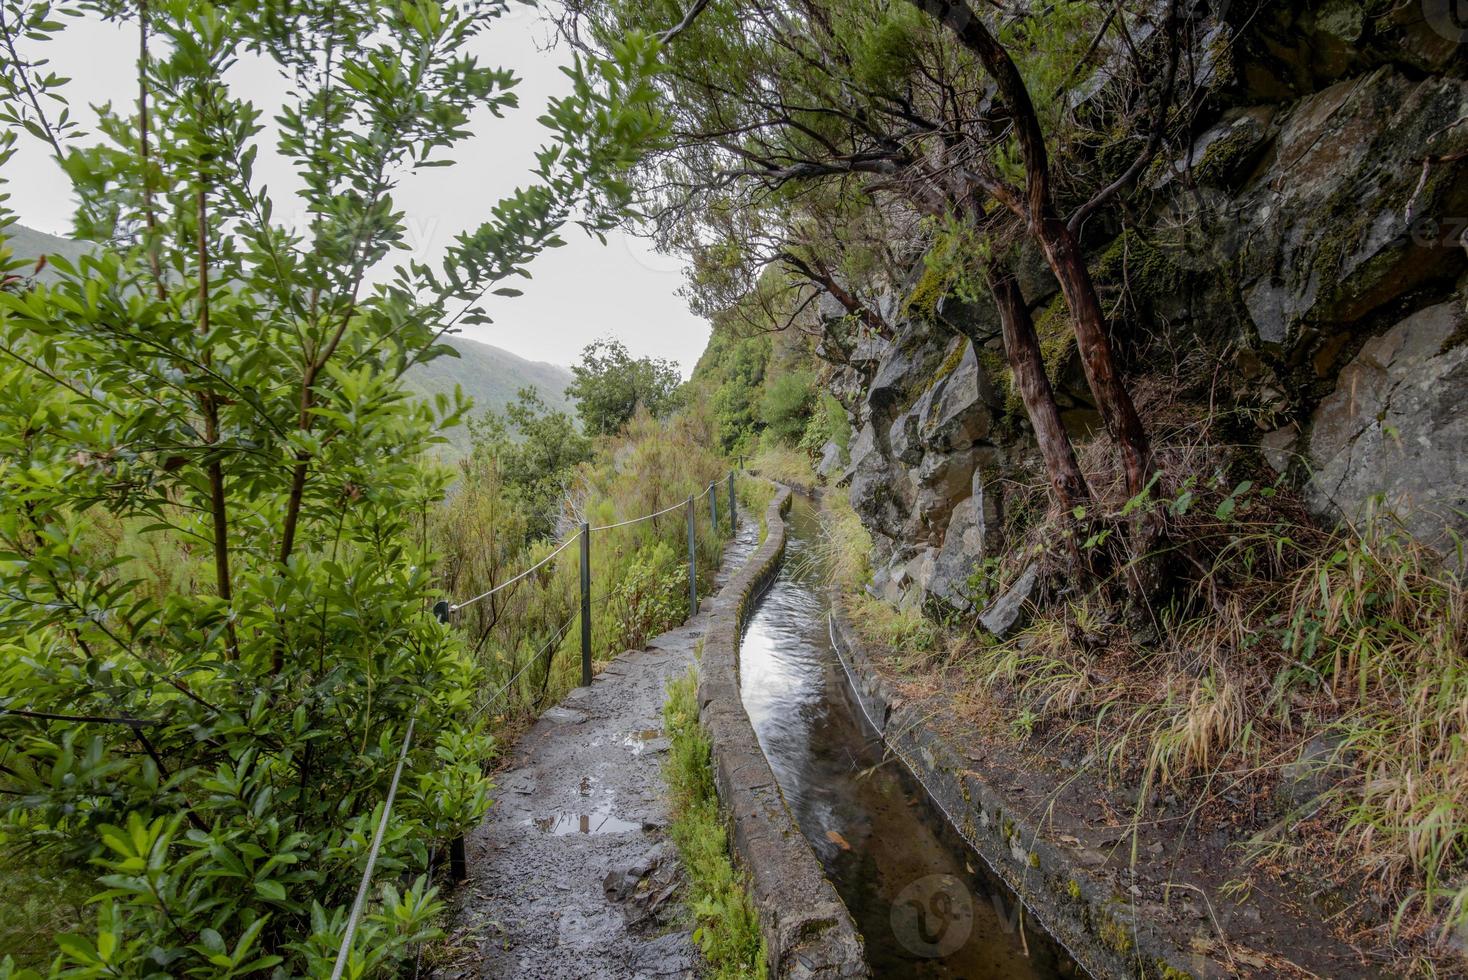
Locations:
572 874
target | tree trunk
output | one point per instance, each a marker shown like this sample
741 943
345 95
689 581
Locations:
1112 398
1061 248
218 501
1022 347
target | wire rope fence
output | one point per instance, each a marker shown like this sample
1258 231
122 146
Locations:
444 610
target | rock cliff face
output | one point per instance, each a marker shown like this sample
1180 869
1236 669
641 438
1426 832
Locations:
1314 230
919 464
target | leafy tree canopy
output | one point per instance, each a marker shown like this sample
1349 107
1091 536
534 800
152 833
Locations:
610 385
535 449
215 729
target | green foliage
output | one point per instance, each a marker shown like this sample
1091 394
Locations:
611 385
213 510
638 572
728 923
982 584
782 462
786 405
953 264
534 450
905 630
828 423
740 372
755 494
888 52
36 905
651 595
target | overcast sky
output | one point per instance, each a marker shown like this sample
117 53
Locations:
578 293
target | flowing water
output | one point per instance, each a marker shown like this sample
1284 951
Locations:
925 903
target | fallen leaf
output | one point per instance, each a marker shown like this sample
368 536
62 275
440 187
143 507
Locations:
838 840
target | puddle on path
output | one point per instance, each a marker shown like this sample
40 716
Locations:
594 823
640 741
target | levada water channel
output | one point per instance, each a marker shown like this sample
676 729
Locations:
926 904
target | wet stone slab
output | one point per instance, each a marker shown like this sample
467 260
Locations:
570 875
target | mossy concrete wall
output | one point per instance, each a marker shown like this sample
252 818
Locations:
807 929
1080 910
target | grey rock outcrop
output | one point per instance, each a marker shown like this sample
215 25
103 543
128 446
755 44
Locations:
1338 224
1313 227
1397 426
921 462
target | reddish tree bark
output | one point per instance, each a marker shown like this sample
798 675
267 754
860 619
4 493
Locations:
1062 251
1022 347
1117 409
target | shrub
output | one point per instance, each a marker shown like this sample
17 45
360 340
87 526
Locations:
214 570
786 405
828 423
611 385
650 596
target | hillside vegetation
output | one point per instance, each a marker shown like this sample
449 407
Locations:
1130 342
491 378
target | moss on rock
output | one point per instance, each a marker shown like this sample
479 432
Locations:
1144 267
1225 159
928 291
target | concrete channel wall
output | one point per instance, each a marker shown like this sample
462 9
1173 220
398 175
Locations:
1055 884
807 929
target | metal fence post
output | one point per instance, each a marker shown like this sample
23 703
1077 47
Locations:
714 505
585 604
733 515
692 564
458 861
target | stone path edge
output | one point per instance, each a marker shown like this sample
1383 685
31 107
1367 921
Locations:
808 931
1079 912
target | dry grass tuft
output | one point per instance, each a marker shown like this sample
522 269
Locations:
1282 654
785 464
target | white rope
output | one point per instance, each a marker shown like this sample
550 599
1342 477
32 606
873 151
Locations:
648 517
456 606
505 585
361 902
558 636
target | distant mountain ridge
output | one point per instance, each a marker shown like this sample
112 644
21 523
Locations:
27 243
490 375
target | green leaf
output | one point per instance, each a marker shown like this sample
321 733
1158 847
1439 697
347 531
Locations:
270 890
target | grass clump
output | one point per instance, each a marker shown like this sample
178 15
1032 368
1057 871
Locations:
783 463
755 494
1328 663
844 548
904 629
727 929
